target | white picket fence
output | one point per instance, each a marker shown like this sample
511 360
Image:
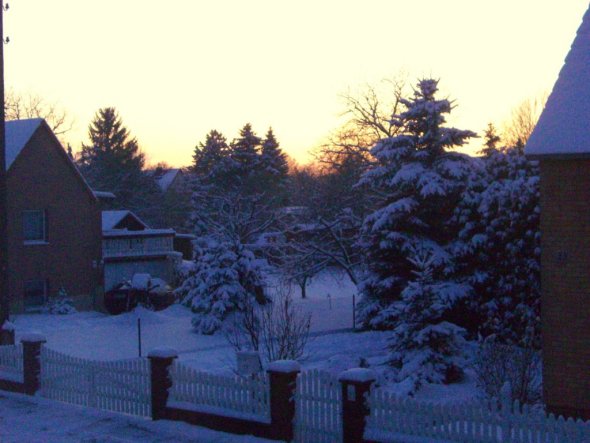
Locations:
243 397
482 422
118 386
318 408
11 362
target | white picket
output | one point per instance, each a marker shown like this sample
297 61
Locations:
119 386
233 393
11 362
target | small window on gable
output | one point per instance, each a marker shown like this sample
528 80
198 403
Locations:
35 226
35 294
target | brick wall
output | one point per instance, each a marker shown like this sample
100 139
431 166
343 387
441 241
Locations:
41 179
565 280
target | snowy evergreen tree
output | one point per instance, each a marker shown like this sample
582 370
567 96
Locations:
498 251
226 279
208 155
420 183
112 161
424 346
272 158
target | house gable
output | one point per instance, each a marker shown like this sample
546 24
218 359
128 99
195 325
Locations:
563 129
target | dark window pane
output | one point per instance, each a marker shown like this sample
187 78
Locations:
34 226
35 293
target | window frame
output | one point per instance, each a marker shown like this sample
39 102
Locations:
36 241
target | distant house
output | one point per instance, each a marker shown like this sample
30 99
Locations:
130 246
172 179
54 222
561 142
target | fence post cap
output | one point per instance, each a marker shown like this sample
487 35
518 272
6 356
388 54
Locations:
8 326
284 366
33 337
163 352
358 375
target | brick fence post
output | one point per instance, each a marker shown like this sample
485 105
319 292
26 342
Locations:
160 361
7 334
32 343
356 388
283 382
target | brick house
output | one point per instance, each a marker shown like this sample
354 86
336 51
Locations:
54 220
561 142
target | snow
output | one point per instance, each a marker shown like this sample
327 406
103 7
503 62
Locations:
140 281
110 219
33 337
563 126
163 352
18 133
35 419
358 375
8 326
103 194
165 180
284 366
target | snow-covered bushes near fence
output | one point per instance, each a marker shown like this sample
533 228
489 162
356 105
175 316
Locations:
60 304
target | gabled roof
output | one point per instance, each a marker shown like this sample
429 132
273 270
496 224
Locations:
165 177
564 126
18 133
110 219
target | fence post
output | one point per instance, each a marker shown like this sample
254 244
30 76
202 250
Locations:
356 388
283 382
7 334
32 343
160 361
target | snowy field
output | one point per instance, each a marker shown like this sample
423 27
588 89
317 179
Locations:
333 346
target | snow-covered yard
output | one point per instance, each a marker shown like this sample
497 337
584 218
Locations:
333 347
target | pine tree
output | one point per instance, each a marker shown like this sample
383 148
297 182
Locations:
112 161
498 248
491 140
245 152
227 278
424 346
208 155
420 182
272 158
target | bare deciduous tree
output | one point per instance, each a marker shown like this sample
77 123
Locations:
31 105
523 121
278 330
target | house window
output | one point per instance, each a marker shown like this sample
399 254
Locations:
35 226
35 294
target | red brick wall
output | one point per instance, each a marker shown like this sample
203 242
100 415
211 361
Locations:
41 178
565 280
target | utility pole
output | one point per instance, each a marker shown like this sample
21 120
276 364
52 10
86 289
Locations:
4 293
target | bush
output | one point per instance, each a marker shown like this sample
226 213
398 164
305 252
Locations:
278 330
498 363
60 304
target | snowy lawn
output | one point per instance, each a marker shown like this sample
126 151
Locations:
34 419
333 347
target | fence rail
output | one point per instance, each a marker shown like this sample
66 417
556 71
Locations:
318 405
11 362
241 395
118 386
482 422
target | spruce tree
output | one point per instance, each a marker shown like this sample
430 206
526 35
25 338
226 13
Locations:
272 158
112 161
208 155
420 182
245 152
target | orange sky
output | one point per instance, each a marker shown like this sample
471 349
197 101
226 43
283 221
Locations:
177 69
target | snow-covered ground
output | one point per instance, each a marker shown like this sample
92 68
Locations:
36 420
333 347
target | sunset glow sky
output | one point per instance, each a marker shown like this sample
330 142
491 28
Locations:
176 69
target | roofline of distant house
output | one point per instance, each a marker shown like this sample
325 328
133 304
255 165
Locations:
125 233
559 156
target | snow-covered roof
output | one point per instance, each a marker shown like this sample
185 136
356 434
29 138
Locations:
18 133
110 219
165 177
142 233
564 126
103 194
